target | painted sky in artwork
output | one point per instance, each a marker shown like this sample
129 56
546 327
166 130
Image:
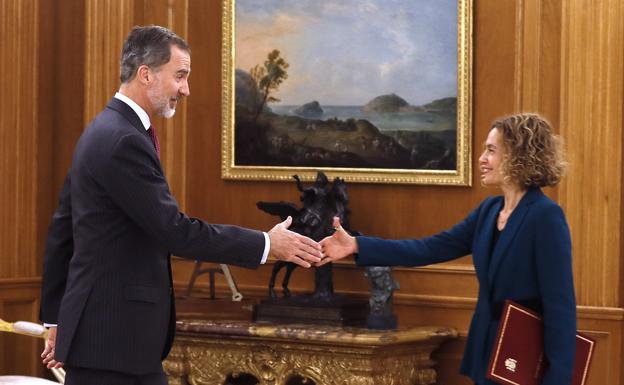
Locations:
346 52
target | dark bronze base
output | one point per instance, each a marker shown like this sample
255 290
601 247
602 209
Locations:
213 309
381 321
306 309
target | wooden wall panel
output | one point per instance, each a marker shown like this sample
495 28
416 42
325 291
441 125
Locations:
66 100
45 115
18 136
107 25
604 325
19 301
592 77
34 46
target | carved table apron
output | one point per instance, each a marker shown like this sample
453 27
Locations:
206 352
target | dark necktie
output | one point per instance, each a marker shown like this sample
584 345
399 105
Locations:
152 134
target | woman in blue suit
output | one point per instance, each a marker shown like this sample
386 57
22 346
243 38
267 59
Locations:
520 245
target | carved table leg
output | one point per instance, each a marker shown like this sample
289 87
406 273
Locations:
425 377
175 367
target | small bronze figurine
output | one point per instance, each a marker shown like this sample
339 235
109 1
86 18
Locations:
321 202
382 285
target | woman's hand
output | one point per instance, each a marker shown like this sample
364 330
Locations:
338 245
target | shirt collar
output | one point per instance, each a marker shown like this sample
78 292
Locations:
136 108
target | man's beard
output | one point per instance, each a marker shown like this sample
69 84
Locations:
160 103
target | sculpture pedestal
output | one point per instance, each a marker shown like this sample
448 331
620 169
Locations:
207 352
305 309
220 308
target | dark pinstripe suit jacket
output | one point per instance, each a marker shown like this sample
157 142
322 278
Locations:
107 274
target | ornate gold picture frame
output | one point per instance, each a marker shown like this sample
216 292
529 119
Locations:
350 88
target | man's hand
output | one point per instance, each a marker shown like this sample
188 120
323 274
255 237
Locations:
48 351
289 246
337 246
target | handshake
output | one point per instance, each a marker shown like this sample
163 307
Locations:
292 247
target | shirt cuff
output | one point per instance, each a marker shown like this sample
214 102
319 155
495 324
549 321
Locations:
267 247
45 325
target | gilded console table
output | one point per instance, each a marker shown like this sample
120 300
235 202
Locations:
206 352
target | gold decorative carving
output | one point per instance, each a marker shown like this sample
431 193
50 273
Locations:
272 366
176 367
327 357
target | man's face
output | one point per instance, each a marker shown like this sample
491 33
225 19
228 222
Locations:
170 83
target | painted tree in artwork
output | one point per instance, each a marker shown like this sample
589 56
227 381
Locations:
268 77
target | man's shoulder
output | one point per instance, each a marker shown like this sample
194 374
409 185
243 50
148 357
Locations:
112 124
103 134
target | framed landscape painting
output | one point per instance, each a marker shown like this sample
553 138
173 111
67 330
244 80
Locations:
375 91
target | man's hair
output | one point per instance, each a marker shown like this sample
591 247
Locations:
534 154
148 45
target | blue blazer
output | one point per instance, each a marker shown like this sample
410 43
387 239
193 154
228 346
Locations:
531 264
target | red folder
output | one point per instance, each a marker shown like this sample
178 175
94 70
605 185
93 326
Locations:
518 354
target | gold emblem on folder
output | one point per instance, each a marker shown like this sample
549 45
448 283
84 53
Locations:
511 364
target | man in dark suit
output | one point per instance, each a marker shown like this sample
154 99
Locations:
107 278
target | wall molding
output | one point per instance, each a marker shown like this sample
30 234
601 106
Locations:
408 299
20 282
19 301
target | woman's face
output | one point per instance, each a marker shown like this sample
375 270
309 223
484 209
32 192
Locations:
490 162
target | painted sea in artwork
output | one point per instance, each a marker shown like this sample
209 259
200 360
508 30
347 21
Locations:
355 84
420 121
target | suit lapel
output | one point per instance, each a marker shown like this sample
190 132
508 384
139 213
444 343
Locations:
482 254
509 233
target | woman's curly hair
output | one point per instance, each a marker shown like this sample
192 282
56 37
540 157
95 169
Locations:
534 155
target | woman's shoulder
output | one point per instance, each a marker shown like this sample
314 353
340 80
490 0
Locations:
485 207
542 201
543 207
490 201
